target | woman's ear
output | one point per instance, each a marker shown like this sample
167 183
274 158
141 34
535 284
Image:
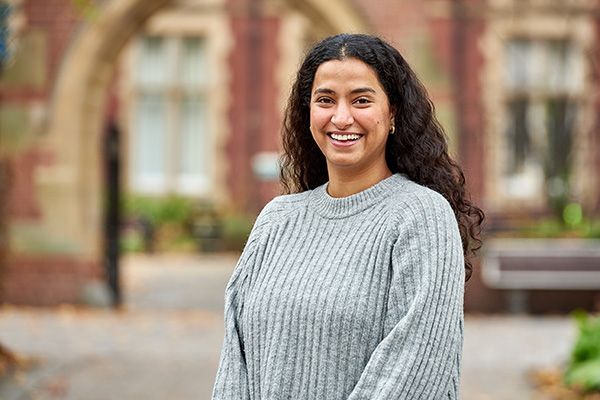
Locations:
392 113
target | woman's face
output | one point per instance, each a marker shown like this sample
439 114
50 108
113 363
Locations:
350 116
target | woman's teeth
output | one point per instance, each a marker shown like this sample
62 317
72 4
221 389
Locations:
342 138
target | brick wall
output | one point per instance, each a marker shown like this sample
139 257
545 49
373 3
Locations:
52 23
58 20
46 280
27 279
253 112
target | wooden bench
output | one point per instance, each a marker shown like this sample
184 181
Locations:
520 265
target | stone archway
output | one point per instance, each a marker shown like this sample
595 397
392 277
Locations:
70 189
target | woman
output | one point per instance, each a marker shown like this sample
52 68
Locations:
351 287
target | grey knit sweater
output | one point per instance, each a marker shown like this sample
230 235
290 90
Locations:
348 298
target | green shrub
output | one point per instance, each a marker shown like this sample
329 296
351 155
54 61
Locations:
572 215
584 368
547 228
159 210
592 229
169 218
185 224
235 230
555 228
132 241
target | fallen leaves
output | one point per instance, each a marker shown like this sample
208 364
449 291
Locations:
8 360
549 385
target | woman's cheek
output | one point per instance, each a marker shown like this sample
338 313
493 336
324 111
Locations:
319 117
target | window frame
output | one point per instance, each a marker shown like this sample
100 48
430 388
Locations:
173 93
502 26
536 97
213 26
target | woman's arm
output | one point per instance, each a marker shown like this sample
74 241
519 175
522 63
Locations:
419 358
232 380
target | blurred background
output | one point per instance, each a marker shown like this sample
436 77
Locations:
139 139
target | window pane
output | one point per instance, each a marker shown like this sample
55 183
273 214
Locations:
518 53
556 66
560 119
193 62
550 66
574 69
152 65
537 60
194 143
150 143
518 136
525 135
540 76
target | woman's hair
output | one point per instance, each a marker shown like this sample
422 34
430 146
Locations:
418 149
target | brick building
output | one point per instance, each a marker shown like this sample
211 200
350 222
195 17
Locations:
196 88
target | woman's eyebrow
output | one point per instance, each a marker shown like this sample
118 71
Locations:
323 90
363 90
353 91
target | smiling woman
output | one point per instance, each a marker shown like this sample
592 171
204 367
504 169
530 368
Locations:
351 285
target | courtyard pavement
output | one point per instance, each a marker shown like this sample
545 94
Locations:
165 342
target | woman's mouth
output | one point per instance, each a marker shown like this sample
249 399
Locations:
344 139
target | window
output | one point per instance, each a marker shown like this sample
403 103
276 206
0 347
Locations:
543 85
171 143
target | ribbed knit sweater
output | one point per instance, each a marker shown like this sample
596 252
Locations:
350 298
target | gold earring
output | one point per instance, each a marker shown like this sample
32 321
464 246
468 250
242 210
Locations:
392 130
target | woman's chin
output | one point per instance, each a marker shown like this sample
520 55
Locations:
343 165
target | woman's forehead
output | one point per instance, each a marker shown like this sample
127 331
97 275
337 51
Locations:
348 73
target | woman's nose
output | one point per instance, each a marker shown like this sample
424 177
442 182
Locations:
342 117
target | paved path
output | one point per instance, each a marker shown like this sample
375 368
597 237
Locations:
165 343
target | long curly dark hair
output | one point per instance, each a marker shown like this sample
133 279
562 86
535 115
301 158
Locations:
418 149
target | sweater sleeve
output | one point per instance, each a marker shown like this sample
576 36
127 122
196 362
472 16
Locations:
419 356
232 380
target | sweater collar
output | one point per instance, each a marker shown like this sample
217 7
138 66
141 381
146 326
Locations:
340 207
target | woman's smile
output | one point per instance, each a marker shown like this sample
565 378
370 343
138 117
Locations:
344 139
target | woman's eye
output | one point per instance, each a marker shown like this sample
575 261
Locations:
324 100
362 100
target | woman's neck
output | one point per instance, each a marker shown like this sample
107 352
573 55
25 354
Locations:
346 183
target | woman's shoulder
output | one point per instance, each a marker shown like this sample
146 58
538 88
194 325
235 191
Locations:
412 199
281 205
